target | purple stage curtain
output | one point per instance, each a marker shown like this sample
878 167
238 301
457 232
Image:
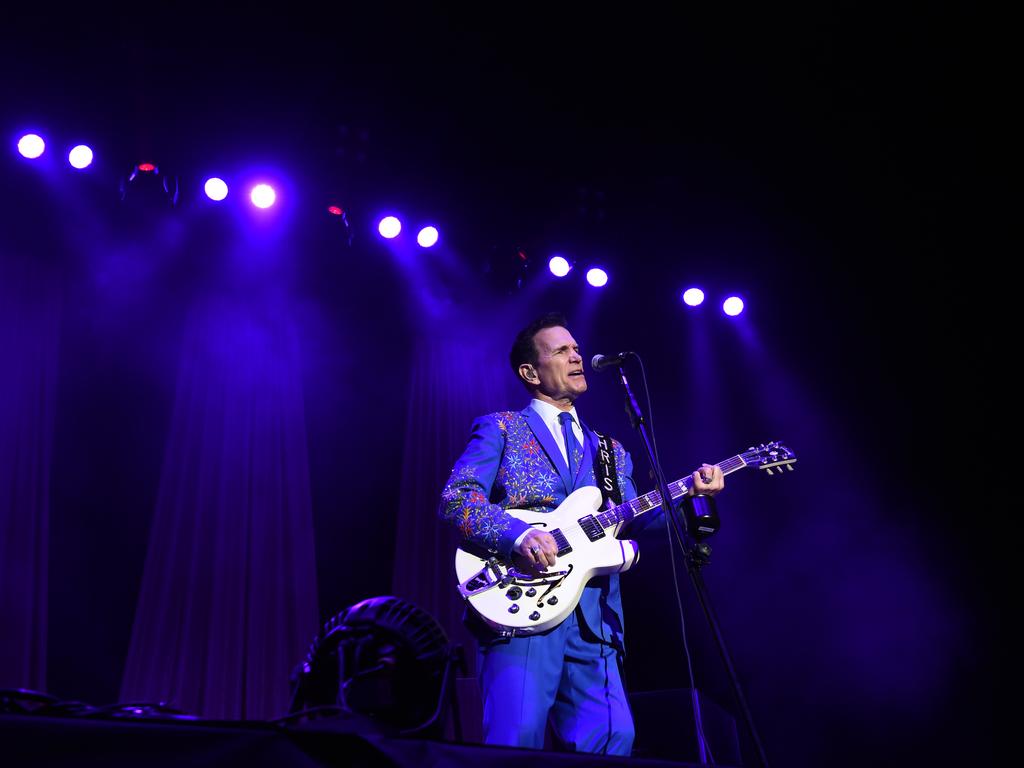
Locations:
228 603
458 374
29 342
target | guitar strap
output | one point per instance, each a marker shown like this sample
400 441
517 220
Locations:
604 471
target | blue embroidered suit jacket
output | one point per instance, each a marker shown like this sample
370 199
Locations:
513 462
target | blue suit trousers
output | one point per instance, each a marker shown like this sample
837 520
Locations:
558 675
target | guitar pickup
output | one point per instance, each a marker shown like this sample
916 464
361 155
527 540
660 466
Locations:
591 527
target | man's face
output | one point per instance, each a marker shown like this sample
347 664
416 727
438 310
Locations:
559 367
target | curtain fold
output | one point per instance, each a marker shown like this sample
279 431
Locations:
458 374
29 345
228 603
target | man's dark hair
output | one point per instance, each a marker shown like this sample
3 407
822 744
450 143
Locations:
523 348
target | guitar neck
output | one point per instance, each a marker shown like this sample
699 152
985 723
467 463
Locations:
652 501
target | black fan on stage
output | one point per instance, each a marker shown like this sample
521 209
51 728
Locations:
384 659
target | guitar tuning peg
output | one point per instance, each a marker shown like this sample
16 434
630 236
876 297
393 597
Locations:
769 470
789 467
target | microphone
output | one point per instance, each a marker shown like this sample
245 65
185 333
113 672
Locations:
600 362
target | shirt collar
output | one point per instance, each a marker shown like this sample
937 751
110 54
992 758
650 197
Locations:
550 413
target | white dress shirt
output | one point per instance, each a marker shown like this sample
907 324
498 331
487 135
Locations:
550 414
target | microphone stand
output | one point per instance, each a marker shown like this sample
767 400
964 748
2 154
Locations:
696 554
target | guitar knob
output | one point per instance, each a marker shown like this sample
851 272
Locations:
514 593
531 592
534 616
513 608
553 600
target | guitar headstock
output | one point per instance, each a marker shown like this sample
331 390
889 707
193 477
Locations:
769 457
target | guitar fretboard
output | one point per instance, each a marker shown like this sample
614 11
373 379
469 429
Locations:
651 501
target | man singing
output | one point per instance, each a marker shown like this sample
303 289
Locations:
533 459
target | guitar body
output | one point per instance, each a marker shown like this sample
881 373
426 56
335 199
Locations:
516 597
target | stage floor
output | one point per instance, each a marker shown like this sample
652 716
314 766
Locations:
29 740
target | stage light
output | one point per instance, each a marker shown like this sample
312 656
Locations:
693 297
80 157
31 146
559 266
216 189
335 210
597 277
732 306
263 196
148 184
389 227
427 237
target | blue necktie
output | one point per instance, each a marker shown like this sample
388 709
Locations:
571 443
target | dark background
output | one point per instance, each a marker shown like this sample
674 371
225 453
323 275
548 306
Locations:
818 159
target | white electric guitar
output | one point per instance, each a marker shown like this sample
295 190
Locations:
517 598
